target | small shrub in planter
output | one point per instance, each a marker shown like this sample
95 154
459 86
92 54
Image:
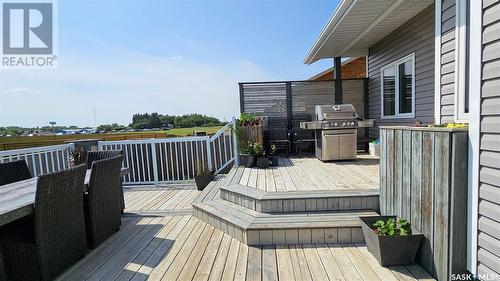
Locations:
390 240
273 158
202 175
262 159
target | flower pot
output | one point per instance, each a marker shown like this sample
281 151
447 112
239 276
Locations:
263 162
274 160
390 250
203 181
374 149
248 160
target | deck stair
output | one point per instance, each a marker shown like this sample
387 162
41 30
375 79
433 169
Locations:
257 217
301 201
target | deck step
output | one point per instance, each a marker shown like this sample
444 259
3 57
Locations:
256 228
301 201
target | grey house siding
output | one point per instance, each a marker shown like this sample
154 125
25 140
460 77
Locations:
489 161
415 36
447 60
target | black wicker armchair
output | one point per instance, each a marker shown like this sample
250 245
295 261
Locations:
100 155
42 246
105 154
14 171
102 203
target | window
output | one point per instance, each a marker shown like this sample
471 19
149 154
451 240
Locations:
398 88
461 103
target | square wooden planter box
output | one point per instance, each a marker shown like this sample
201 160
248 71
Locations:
390 250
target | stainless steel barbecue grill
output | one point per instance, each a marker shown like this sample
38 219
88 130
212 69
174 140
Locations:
336 131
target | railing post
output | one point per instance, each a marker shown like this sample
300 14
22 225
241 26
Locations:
235 143
155 164
209 154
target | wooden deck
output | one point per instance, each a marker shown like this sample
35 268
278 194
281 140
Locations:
309 173
176 246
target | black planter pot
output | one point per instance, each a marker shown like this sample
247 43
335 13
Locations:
248 160
274 160
390 250
263 162
203 181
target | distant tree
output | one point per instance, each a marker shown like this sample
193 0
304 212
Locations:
155 120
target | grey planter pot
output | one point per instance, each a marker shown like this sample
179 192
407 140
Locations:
248 160
390 250
263 162
274 160
203 181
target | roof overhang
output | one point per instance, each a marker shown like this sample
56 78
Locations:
356 25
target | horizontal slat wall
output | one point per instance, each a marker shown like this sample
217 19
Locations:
489 173
264 99
415 36
270 99
424 179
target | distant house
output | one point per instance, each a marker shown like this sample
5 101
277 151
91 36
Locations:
351 68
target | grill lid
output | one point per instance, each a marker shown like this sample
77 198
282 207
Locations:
333 112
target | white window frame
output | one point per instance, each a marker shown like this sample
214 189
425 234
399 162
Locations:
460 115
397 115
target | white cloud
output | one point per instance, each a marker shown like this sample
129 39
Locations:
120 85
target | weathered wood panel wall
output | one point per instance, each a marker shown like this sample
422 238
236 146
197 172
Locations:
423 178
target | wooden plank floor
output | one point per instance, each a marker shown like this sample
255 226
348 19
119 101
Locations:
309 173
148 199
181 247
184 248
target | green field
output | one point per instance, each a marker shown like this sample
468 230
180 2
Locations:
15 142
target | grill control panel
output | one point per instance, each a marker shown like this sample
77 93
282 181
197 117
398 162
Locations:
330 124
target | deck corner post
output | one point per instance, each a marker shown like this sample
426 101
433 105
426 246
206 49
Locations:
209 154
235 141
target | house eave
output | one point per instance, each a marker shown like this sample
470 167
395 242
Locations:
358 24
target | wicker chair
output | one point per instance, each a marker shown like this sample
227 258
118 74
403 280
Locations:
45 244
102 203
100 155
105 154
14 171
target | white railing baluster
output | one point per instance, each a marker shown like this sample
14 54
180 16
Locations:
177 161
192 160
172 161
147 159
154 163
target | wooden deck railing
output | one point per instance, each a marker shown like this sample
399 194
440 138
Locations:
41 160
173 160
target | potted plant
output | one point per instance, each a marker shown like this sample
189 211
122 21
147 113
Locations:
374 147
273 158
390 240
203 176
262 160
247 154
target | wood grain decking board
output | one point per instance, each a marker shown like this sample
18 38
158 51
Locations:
308 173
184 248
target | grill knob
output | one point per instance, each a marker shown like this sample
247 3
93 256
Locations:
335 124
343 124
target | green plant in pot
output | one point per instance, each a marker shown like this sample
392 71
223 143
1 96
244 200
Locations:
391 240
262 160
247 154
273 158
203 176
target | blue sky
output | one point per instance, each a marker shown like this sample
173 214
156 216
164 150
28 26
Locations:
173 57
